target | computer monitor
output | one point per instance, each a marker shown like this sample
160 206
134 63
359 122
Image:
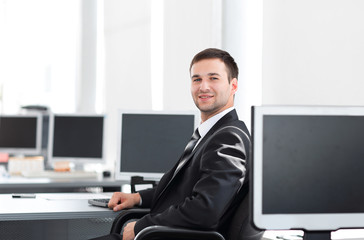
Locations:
21 134
150 143
308 168
76 138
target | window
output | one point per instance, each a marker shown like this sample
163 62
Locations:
41 54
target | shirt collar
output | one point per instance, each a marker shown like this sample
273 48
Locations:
209 123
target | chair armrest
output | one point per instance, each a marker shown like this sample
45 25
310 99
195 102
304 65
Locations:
125 215
163 232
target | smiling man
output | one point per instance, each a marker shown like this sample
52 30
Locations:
212 88
207 183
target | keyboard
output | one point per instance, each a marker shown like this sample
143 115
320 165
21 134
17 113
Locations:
60 175
101 202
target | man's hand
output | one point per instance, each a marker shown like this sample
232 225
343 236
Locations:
128 233
121 200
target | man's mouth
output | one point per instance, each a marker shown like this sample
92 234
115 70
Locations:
205 96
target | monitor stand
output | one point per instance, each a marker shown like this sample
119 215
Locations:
317 235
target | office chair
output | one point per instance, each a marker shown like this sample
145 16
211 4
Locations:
240 227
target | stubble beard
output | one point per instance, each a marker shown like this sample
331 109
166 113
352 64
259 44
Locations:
208 109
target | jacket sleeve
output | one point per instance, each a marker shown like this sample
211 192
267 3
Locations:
147 196
222 172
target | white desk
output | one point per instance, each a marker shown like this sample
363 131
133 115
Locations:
39 185
41 208
40 218
69 217
343 234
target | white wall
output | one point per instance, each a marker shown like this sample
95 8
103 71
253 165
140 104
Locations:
313 52
127 64
86 87
189 27
242 37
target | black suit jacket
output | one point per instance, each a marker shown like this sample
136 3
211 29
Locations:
209 186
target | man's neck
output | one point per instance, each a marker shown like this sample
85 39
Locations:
205 117
209 123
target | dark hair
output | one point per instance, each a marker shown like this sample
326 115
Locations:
209 53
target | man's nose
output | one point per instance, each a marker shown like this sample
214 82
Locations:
204 85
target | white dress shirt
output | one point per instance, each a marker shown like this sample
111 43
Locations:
209 123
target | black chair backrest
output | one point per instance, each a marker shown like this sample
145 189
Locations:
241 226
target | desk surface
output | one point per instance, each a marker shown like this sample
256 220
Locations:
42 208
22 184
343 234
75 206
12 182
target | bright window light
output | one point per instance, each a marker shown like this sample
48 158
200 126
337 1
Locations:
38 59
100 73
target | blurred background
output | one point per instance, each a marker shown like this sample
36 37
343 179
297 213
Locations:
94 56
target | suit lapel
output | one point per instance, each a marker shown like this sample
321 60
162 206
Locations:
231 116
173 174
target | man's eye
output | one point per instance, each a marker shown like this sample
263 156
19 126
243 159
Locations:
197 79
214 78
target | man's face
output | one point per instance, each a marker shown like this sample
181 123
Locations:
210 87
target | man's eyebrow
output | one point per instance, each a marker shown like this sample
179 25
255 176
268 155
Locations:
209 74
213 74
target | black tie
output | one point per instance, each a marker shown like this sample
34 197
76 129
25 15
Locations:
188 150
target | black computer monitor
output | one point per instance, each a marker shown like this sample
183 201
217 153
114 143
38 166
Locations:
150 143
76 138
308 168
21 134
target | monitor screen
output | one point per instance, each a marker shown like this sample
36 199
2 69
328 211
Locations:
150 143
20 134
308 167
76 138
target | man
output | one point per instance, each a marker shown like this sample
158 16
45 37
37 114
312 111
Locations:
204 188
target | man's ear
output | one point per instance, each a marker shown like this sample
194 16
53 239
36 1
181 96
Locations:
234 84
